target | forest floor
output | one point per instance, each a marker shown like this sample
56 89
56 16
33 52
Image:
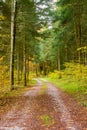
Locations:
43 107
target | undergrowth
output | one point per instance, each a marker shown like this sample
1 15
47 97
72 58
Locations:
72 80
18 90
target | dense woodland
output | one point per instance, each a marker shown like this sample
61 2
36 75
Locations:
41 36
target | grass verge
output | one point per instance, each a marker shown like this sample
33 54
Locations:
18 90
77 89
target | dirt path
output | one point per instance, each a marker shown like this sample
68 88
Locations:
45 107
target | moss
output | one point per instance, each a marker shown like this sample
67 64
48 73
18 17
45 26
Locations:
47 120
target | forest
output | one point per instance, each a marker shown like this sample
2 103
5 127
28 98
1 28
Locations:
43 64
41 38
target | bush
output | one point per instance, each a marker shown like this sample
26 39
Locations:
55 75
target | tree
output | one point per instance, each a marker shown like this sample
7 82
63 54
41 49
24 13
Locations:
68 18
13 34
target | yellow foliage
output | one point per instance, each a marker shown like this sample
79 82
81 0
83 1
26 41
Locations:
4 35
56 74
32 75
4 75
72 70
81 48
75 70
1 59
2 17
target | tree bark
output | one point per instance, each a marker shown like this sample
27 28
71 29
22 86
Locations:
18 66
13 33
24 66
58 60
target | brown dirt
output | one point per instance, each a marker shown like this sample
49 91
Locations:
51 109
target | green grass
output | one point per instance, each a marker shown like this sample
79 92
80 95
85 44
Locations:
32 82
47 120
77 89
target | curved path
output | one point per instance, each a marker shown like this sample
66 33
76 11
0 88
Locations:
44 107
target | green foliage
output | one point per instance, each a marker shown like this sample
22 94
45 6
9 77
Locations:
73 81
69 29
4 74
85 104
75 71
55 75
51 37
47 120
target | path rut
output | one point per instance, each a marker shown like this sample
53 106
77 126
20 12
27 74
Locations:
41 109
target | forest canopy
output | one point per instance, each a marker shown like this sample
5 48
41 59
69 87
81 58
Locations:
41 36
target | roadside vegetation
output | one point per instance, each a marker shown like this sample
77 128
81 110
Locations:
72 80
9 98
17 92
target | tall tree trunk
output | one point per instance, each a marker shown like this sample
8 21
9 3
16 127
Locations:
58 59
37 70
18 66
79 28
24 66
28 70
13 31
79 39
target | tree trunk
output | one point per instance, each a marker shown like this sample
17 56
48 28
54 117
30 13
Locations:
36 69
28 71
13 33
58 60
24 66
18 66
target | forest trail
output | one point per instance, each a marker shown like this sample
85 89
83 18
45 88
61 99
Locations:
44 107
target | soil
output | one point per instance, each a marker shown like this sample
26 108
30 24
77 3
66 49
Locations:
43 109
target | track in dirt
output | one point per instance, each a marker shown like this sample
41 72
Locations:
42 108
